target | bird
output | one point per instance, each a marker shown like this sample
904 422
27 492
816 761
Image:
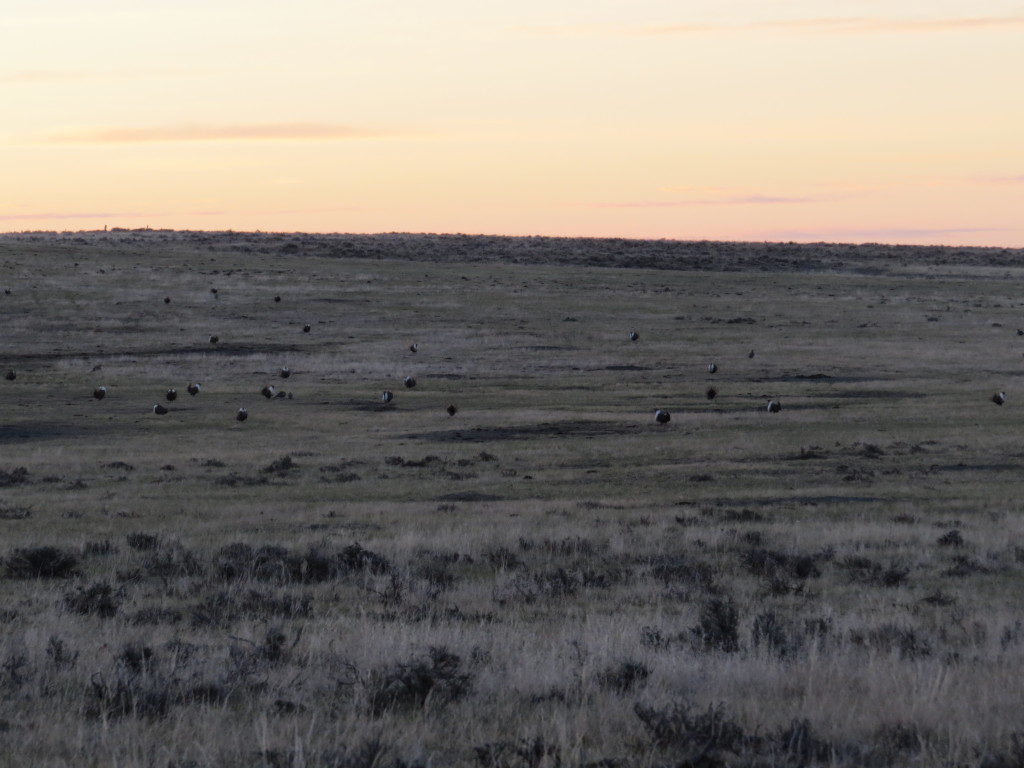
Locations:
387 396
172 395
214 292
277 299
414 348
193 388
285 373
1020 331
452 410
167 299
711 393
712 368
410 382
751 354
242 415
281 395
634 336
662 416
214 339
999 398
268 391
99 393
305 328
159 410
774 406
10 375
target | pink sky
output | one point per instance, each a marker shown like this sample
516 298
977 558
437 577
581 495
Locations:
851 120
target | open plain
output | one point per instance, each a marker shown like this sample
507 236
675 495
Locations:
546 577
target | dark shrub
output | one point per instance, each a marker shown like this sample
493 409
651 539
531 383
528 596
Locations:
41 563
143 541
704 735
718 629
624 677
409 686
98 599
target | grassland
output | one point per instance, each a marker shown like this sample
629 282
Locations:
546 578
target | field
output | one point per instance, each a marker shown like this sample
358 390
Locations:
546 578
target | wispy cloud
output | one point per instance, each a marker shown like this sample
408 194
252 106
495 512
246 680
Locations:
194 132
56 76
882 233
61 216
1018 179
818 25
746 199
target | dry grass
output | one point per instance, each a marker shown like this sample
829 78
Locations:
547 578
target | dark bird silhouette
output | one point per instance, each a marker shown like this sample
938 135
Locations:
410 382
712 368
10 375
305 328
277 299
99 393
387 396
711 393
193 388
159 410
242 414
774 406
414 348
281 395
1020 331
172 395
167 299
285 373
214 339
452 410
268 391
214 292
751 355
634 336
999 398
662 416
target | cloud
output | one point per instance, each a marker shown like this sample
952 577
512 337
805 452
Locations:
749 199
841 25
60 216
883 233
45 76
1018 179
196 132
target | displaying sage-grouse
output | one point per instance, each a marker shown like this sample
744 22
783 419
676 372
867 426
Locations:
711 393
662 416
999 398
172 395
242 415
268 391
99 393
452 410
774 406
193 388
285 373
387 396
160 410
712 368
410 382
634 336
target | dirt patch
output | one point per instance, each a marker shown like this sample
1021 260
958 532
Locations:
531 432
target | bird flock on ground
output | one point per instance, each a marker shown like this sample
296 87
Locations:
269 391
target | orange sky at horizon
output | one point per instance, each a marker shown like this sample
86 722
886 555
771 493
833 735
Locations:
791 120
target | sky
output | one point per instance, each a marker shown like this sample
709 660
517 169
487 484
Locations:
885 121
